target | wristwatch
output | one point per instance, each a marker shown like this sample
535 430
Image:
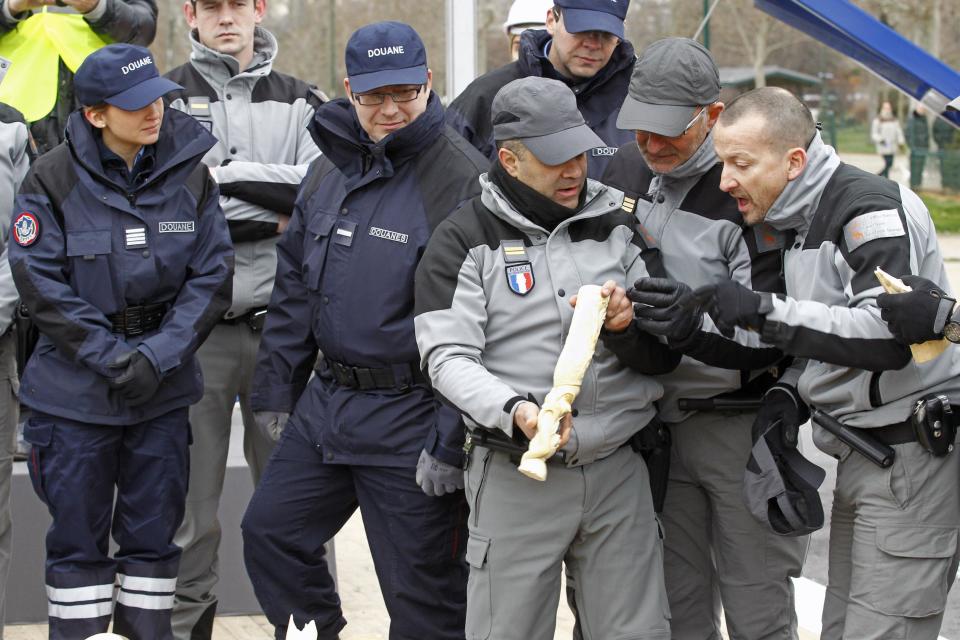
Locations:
951 330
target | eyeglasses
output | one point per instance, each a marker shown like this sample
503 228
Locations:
373 99
702 111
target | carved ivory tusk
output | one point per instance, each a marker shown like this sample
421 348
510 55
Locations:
575 357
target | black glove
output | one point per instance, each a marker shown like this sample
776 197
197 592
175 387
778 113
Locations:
138 382
731 305
781 403
919 315
665 308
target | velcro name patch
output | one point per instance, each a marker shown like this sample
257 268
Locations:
872 226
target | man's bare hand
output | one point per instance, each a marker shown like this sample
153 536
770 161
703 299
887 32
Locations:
566 425
619 308
82 6
282 223
19 6
525 417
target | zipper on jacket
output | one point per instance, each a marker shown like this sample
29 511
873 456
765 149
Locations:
132 199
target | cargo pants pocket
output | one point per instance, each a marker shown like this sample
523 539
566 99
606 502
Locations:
911 575
39 433
479 589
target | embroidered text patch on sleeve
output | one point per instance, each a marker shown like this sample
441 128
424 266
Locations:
26 229
872 226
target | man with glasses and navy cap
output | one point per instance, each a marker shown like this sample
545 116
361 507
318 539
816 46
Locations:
711 539
490 345
367 429
583 47
120 251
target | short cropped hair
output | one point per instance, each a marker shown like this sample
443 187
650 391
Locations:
518 148
788 122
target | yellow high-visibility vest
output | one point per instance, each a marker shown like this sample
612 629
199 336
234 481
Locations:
34 49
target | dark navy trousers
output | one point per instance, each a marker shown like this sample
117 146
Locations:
417 543
76 469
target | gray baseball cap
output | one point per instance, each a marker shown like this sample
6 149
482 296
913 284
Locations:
780 490
542 114
671 78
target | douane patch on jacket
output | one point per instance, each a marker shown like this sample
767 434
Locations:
520 278
26 229
177 227
386 234
872 226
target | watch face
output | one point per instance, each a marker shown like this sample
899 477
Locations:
951 331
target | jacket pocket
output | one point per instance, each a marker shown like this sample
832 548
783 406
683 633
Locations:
315 245
39 433
88 244
911 574
479 596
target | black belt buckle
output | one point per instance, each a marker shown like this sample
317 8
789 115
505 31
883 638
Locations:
935 424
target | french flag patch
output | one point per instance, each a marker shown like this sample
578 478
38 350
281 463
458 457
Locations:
520 278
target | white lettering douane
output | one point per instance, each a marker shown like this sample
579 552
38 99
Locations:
136 64
385 51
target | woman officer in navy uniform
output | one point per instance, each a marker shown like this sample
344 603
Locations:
121 253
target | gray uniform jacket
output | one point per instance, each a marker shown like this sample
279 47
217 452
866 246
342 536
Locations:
488 342
14 164
847 223
700 236
259 117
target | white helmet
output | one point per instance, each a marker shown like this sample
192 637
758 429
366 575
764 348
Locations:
527 14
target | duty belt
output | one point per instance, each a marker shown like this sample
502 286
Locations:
891 434
368 378
254 318
139 319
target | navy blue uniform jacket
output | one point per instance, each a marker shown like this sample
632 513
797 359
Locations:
598 98
98 249
344 286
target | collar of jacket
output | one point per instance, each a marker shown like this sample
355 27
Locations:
221 67
600 199
340 137
534 62
182 143
702 160
795 206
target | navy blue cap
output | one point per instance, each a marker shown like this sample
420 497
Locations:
123 75
383 54
594 15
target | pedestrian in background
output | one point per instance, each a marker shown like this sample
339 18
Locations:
918 140
887 137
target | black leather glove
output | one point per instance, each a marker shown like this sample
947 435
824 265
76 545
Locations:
731 305
138 382
919 315
781 403
665 308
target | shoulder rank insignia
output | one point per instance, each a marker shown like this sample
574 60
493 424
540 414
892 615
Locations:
514 251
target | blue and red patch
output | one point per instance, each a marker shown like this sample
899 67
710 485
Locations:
520 278
26 229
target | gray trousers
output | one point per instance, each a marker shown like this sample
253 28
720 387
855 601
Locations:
597 518
894 546
9 408
227 359
716 552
